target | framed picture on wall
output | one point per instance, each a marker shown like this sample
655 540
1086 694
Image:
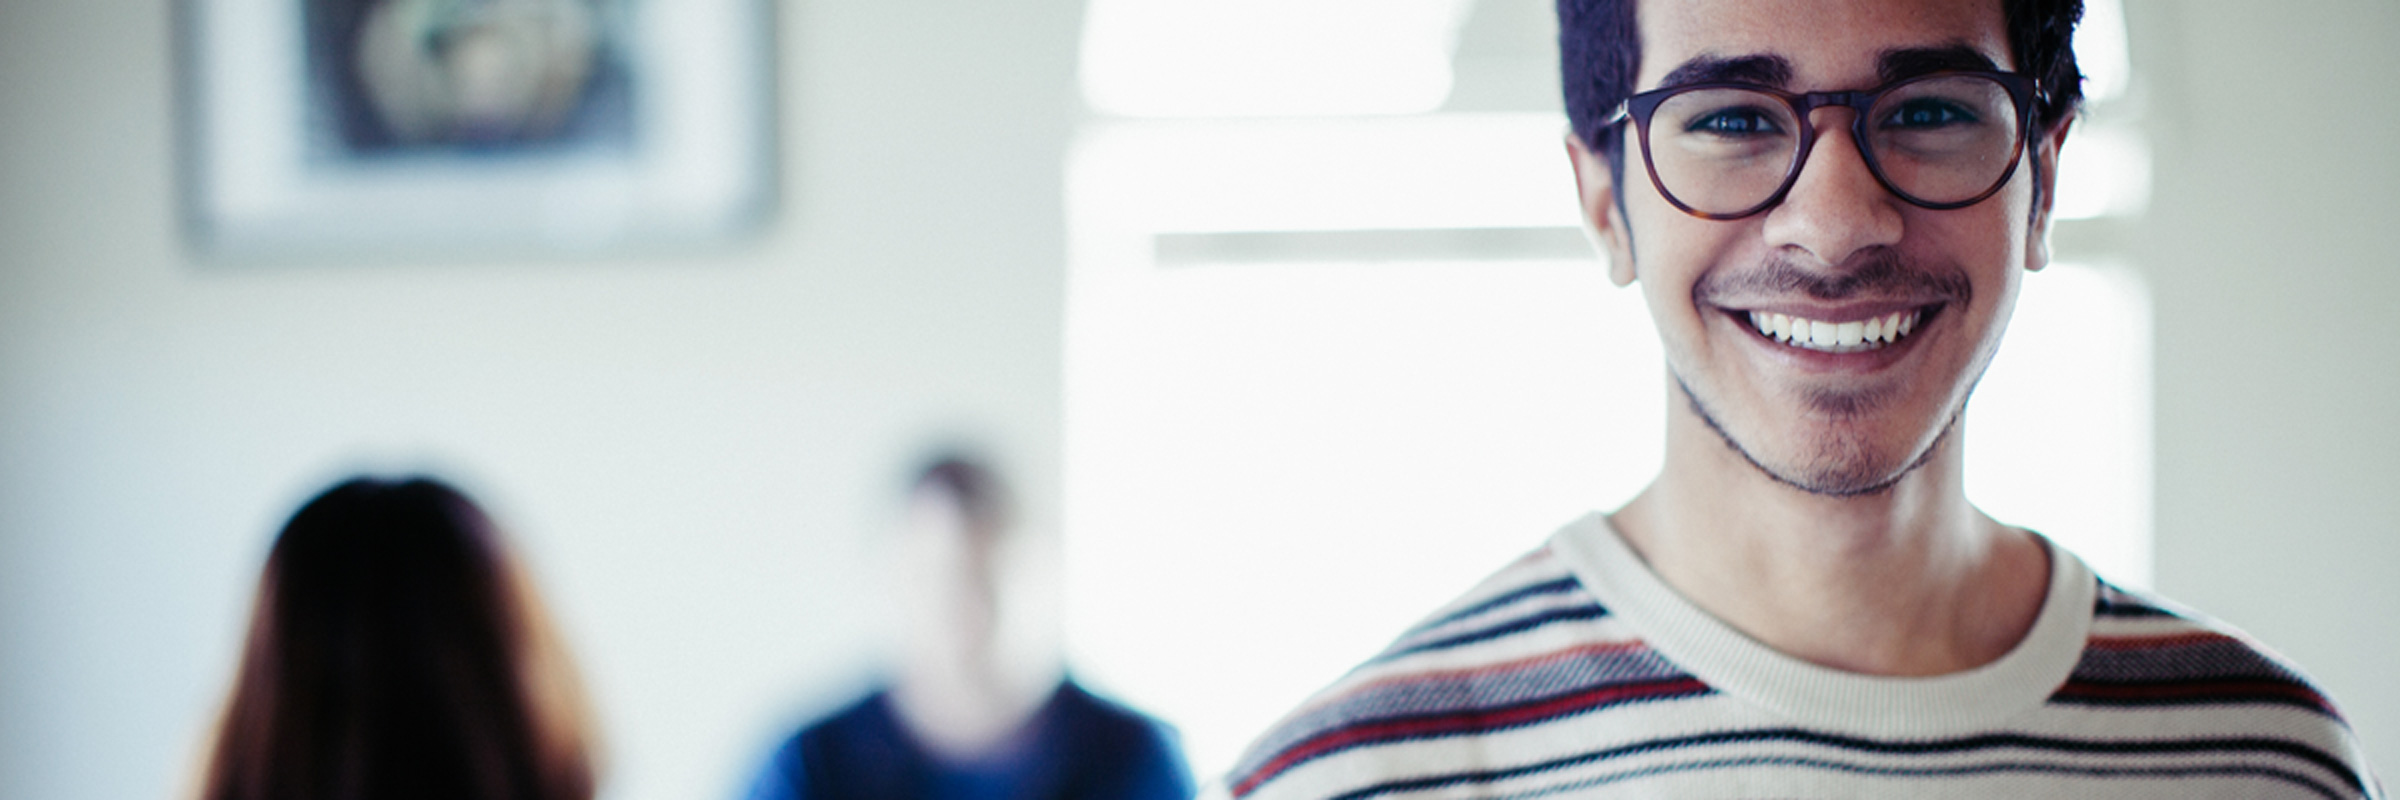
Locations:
376 128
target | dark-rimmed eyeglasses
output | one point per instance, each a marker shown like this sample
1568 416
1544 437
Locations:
1729 150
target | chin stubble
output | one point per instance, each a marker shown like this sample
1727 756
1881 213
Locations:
1858 480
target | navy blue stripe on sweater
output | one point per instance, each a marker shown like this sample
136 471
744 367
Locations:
2118 603
2228 770
1506 628
2178 659
1549 587
2192 694
2183 747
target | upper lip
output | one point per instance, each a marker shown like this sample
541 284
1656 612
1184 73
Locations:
1834 312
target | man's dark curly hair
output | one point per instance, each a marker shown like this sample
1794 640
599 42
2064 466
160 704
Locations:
1600 52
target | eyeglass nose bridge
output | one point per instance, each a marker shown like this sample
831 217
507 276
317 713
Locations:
1808 102
1804 108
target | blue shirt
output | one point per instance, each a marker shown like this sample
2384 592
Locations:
1076 746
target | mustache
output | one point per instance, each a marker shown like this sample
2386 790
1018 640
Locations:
1881 272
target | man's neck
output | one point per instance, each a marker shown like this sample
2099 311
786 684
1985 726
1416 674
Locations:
1909 581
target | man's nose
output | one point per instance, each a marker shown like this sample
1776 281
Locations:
1836 208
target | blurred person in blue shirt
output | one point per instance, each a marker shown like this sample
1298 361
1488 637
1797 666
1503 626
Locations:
978 704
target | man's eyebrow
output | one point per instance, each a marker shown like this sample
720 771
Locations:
1759 69
1776 71
1902 64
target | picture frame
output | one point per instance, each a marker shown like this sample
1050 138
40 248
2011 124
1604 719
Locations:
356 129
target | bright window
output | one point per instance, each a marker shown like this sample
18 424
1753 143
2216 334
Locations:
1323 374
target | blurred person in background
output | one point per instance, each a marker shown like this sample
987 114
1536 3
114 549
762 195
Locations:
978 704
398 650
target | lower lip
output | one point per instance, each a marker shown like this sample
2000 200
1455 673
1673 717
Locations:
1821 361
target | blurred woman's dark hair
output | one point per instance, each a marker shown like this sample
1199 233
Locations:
397 650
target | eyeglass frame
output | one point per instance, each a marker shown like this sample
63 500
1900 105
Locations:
1639 108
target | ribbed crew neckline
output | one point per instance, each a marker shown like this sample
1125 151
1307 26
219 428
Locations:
1818 696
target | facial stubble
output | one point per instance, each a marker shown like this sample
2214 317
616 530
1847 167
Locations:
1842 467
1839 464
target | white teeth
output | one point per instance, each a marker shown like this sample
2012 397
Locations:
1837 337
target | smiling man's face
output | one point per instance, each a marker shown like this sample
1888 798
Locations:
1839 250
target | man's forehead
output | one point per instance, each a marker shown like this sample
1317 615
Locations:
1816 44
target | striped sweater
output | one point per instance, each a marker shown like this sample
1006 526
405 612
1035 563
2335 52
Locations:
1576 672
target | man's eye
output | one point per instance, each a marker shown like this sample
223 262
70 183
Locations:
1928 114
1735 122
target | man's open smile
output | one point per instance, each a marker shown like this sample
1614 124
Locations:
1839 332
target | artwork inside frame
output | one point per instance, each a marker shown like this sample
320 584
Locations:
380 128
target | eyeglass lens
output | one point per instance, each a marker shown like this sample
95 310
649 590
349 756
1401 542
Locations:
1940 140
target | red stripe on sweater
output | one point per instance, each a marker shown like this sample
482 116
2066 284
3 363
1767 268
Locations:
1468 720
2185 639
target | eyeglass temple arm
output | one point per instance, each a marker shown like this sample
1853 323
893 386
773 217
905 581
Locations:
1618 116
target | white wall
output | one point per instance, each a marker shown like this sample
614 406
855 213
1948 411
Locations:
691 447
2269 249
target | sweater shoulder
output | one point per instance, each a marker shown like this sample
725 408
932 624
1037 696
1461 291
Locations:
1527 645
2145 650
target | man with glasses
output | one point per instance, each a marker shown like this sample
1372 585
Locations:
1831 207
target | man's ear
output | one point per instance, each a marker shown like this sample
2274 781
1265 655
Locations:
2045 192
1603 222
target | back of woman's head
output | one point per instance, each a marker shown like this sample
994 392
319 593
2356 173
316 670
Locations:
396 651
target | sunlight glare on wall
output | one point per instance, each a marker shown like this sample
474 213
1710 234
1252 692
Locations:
1273 466
1234 58
1273 469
